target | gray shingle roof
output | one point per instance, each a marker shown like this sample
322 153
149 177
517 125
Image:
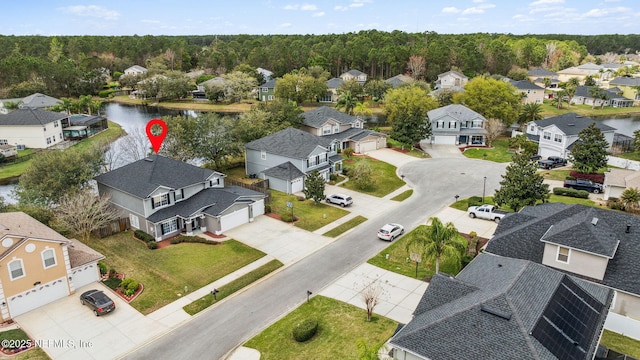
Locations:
583 91
334 83
285 171
271 84
142 177
318 116
456 111
354 72
453 72
399 80
456 319
525 85
290 142
625 81
518 236
541 72
38 100
354 134
30 117
572 123
80 254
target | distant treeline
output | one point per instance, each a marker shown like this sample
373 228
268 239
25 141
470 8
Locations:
72 65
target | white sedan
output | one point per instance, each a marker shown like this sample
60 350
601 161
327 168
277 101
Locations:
390 232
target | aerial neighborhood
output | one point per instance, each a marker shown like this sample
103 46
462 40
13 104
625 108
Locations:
391 207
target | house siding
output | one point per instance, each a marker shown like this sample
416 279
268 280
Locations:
626 305
255 164
123 200
33 136
579 262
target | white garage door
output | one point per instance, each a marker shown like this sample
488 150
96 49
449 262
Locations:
84 275
367 146
38 296
258 208
545 152
234 219
444 140
297 185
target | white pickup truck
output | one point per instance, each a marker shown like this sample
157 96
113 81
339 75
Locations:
486 211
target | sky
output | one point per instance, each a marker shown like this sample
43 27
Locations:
225 17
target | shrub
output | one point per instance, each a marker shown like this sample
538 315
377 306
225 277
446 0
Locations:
348 152
105 93
112 273
475 201
596 178
333 177
615 204
129 286
267 208
582 194
300 198
139 234
287 217
305 330
192 239
103 267
152 245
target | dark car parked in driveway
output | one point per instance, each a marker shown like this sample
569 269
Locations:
552 162
98 301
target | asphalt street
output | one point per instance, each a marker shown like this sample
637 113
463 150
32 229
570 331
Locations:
218 330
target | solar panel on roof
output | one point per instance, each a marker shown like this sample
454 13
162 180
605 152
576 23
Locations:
569 322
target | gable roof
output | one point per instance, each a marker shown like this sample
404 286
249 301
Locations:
80 254
584 91
38 100
142 177
622 178
318 116
285 171
525 85
456 111
264 72
519 237
625 81
21 227
454 73
271 84
491 309
572 123
399 80
334 83
136 68
290 142
28 116
541 72
213 81
353 72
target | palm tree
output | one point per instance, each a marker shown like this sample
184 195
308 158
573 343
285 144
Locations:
570 91
631 199
439 241
362 109
559 98
530 112
347 101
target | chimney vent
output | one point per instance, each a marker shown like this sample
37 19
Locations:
594 221
628 230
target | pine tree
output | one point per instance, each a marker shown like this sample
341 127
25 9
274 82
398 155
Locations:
521 185
589 153
314 186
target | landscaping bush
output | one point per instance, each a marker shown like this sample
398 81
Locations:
192 239
287 217
333 177
112 273
139 234
152 245
474 201
105 93
596 178
615 204
305 330
103 267
581 194
129 286
300 198
267 208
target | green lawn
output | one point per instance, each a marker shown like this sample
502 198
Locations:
165 272
498 152
621 344
630 156
557 174
549 110
310 216
230 288
402 196
13 170
399 261
386 180
346 226
340 326
463 204
32 354
411 150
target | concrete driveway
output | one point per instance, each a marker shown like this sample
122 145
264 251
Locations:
68 330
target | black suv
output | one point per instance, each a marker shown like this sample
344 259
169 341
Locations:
98 301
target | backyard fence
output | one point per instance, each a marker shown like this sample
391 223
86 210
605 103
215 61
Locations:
114 227
259 186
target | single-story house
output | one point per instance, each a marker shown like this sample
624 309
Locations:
399 80
596 244
503 308
628 85
165 197
40 265
609 97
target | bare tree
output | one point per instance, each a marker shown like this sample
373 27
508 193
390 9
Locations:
417 66
371 294
134 146
494 128
82 212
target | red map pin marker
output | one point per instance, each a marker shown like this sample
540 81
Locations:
156 140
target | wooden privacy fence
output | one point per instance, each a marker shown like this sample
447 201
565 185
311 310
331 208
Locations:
115 227
259 186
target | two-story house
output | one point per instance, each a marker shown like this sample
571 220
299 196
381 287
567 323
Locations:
543 78
267 91
596 244
451 80
556 135
456 125
266 74
287 156
135 70
348 130
399 80
504 308
356 75
332 90
33 128
39 265
530 92
629 87
165 197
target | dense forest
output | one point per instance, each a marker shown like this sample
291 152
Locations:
75 65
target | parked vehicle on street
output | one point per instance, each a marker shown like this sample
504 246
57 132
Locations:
552 162
390 231
486 211
99 302
339 199
584 184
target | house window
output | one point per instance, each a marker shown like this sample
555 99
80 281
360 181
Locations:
357 124
169 226
16 269
476 140
263 155
178 195
48 140
49 258
55 124
160 200
440 125
133 220
270 97
547 135
476 124
452 124
4 142
532 128
264 89
557 138
326 130
563 254
336 129
54 138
